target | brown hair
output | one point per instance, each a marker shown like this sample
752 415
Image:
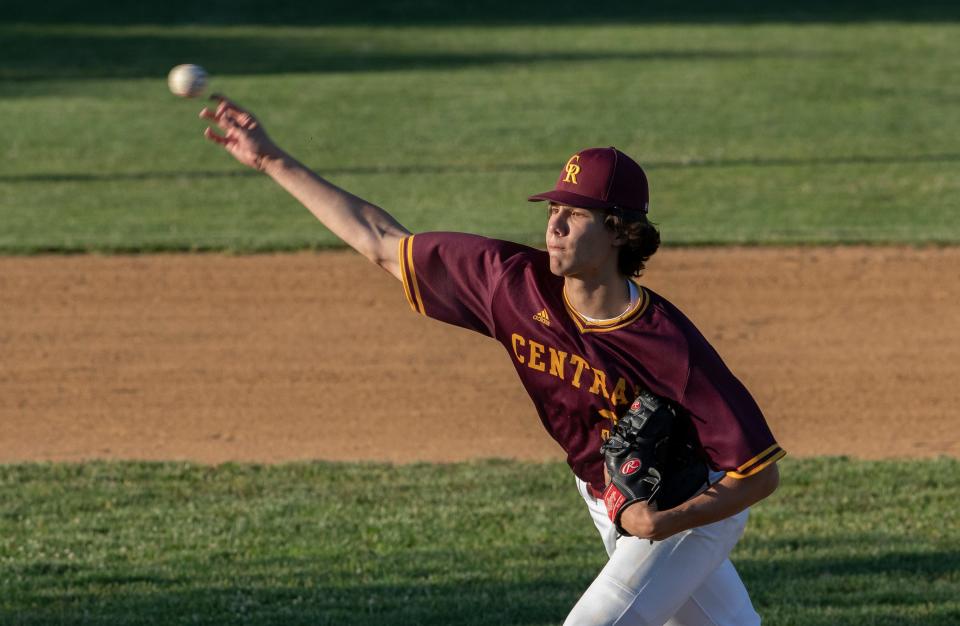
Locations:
642 239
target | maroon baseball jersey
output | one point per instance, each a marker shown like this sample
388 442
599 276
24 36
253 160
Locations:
581 375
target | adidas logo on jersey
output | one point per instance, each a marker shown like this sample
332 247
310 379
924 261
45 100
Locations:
543 317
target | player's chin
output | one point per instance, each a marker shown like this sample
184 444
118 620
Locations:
558 268
560 262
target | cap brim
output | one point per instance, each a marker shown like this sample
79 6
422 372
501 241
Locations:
571 199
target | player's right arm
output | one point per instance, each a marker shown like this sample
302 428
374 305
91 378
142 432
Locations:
365 227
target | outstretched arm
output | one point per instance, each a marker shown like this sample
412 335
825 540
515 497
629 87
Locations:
365 227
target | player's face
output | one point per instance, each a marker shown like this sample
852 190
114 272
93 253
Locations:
578 243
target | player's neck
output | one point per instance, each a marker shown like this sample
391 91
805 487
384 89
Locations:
598 298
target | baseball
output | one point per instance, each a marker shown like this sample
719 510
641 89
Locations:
187 80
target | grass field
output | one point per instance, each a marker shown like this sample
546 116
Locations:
752 133
840 543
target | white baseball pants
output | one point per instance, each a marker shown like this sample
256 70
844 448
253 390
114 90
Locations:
685 580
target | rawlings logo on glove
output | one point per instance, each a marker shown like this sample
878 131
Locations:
648 458
630 467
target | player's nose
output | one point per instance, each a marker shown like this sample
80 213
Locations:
557 224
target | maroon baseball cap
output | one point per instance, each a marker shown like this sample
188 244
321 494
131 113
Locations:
600 178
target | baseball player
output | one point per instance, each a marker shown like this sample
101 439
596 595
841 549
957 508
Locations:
585 339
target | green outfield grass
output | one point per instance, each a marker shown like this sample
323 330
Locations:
841 543
840 131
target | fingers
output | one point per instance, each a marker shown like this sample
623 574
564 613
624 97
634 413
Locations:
227 115
224 119
215 138
225 105
216 117
229 118
219 97
244 120
222 104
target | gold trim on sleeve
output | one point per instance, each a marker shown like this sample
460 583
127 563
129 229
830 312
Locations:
758 457
773 459
413 278
403 272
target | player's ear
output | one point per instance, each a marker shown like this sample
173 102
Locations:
614 223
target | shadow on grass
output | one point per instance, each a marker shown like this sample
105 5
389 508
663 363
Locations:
387 12
32 55
541 601
432 169
917 566
807 589
853 590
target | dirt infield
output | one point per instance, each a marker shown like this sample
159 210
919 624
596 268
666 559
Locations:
270 358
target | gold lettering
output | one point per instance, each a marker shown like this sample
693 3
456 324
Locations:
517 339
599 383
536 349
608 414
572 169
620 393
557 360
580 363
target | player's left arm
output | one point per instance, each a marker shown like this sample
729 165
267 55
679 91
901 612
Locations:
723 499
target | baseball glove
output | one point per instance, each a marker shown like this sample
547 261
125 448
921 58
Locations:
651 455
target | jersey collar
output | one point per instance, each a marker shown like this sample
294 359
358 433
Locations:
626 318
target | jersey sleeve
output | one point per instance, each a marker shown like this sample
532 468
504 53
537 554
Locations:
730 425
452 277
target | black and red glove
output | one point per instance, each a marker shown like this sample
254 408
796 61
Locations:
649 456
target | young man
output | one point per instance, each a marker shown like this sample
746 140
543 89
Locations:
584 339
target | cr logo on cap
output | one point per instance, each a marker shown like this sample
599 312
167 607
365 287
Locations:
572 170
